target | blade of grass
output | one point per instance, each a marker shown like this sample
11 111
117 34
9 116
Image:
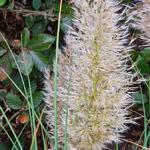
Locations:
24 95
11 128
56 80
145 121
36 130
22 80
44 129
140 146
44 140
31 109
116 147
143 105
14 143
20 134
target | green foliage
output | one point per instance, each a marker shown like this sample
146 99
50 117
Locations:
2 2
65 23
40 42
139 98
29 21
37 98
3 146
13 101
2 51
25 37
25 63
2 94
142 65
34 50
36 4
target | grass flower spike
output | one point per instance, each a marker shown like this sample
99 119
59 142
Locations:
94 81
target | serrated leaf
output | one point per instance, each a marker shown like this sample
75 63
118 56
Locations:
6 63
41 42
2 51
33 87
25 63
139 98
29 21
40 60
13 101
37 98
36 4
38 28
25 36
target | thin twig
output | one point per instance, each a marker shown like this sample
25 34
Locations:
48 14
136 144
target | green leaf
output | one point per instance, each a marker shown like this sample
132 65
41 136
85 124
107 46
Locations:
25 63
13 101
139 98
37 98
33 87
40 60
38 28
2 2
25 36
65 22
29 21
7 62
142 65
147 109
2 51
146 54
36 4
17 79
3 146
41 42
48 3
2 93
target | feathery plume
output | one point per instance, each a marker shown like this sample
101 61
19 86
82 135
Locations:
94 80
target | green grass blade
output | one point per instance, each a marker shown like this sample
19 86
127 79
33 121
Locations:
12 130
56 80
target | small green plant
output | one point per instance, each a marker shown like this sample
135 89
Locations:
2 2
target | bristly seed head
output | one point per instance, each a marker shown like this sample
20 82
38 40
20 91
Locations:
94 81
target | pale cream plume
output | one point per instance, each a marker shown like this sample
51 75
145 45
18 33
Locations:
94 80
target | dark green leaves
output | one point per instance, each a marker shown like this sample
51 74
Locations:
25 63
2 51
25 37
29 21
13 101
36 4
139 98
142 65
36 45
143 60
37 98
40 60
41 42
